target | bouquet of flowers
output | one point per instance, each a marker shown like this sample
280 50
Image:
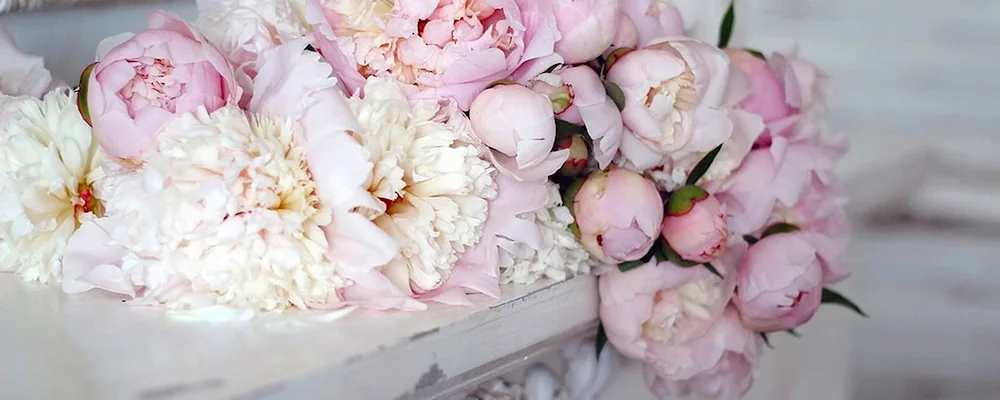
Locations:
338 154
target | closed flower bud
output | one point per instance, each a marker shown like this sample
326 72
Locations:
695 225
618 213
578 155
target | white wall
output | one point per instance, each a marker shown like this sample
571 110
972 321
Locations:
68 38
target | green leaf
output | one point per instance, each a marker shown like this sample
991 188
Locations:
703 165
630 265
552 68
756 53
779 228
726 31
750 239
616 94
566 129
602 339
832 297
713 270
654 252
793 333
766 340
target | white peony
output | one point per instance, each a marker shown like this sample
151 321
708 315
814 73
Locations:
49 163
561 255
433 188
225 214
285 19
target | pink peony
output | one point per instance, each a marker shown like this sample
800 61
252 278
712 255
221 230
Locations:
579 97
768 96
587 28
780 282
656 307
518 126
806 86
677 108
695 225
22 74
618 213
140 85
451 49
732 353
655 19
626 35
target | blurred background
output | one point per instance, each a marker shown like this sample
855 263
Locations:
918 91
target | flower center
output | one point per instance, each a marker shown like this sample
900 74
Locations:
85 202
153 82
673 310
668 100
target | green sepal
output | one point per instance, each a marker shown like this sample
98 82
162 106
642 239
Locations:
726 30
566 129
568 197
756 53
81 96
750 239
683 200
779 228
616 94
832 297
703 166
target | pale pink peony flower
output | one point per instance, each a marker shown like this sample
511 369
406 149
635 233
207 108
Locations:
22 74
678 108
656 307
626 34
587 28
518 126
448 49
223 215
806 86
776 176
768 97
732 353
583 100
780 282
140 85
695 225
618 213
655 19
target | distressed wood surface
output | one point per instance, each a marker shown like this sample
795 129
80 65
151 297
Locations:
94 347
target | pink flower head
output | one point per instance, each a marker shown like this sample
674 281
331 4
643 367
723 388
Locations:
140 85
579 97
518 126
587 28
649 310
655 19
448 49
676 108
731 353
22 74
820 212
626 35
618 213
768 96
780 282
806 86
775 177
695 225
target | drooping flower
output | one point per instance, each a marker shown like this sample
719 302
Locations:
49 166
141 84
224 214
431 185
560 255
22 74
448 49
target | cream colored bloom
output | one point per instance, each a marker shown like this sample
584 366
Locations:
433 187
224 214
561 256
285 18
49 163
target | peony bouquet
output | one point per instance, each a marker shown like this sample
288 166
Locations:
329 155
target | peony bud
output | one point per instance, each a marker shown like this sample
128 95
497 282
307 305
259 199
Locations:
578 155
618 213
695 225
780 281
586 26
